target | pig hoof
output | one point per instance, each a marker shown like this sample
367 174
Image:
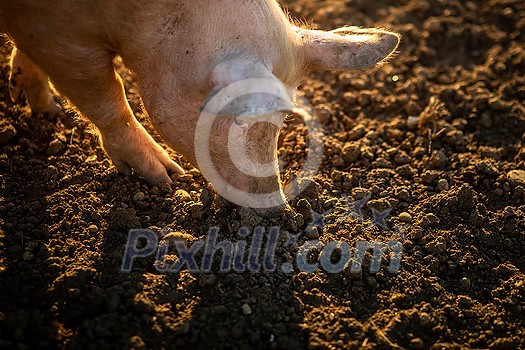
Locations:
51 110
136 150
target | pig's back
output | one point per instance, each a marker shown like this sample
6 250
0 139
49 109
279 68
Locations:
180 35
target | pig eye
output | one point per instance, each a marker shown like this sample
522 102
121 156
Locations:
240 122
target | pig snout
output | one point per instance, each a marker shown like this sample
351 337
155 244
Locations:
273 212
244 154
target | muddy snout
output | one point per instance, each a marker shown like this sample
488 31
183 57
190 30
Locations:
273 212
265 213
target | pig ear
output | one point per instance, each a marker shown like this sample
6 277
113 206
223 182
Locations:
244 86
346 48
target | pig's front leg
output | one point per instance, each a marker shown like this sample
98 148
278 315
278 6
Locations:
26 76
91 83
131 147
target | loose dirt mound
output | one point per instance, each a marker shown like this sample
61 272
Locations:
437 135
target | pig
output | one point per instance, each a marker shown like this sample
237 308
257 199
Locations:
182 54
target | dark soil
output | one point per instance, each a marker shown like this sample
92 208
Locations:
454 177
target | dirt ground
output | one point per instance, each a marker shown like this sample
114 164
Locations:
437 135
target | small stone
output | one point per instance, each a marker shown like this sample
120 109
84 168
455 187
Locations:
28 255
339 162
464 301
313 233
207 280
206 197
443 185
357 132
93 228
222 204
412 122
195 172
144 305
429 177
487 169
424 319
354 275
428 220
139 196
351 153
505 270
137 343
330 203
196 210
508 212
516 178
392 151
74 293
364 99
349 98
503 344
464 284
486 120
419 151
246 309
177 236
403 194
55 146
7 132
32 245
402 159
417 343
469 313
360 193
165 188
438 160
405 217
382 163
183 195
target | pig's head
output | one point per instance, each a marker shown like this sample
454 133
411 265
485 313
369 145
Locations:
236 143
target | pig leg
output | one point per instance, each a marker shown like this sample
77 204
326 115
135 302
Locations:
28 77
87 77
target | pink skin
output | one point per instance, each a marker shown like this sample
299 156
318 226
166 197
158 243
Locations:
180 51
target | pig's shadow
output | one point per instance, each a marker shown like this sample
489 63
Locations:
26 274
186 310
163 310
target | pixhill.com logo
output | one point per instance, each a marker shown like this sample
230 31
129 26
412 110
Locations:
255 249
